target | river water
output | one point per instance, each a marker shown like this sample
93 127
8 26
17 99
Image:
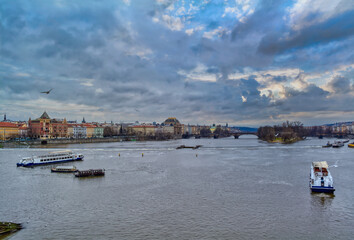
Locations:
228 189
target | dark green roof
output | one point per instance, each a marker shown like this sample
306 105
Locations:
45 116
170 121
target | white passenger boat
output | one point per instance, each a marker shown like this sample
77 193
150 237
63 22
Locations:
50 158
320 178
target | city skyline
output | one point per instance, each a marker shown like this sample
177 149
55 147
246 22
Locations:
245 63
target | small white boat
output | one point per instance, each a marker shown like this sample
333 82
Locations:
64 169
338 144
53 157
320 178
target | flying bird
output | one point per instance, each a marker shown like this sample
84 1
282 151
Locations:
47 92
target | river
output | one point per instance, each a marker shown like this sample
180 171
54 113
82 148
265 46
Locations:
228 189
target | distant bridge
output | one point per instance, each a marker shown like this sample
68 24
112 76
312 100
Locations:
238 134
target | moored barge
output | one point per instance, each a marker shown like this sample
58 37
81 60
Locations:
90 173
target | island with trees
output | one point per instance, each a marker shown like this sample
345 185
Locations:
288 132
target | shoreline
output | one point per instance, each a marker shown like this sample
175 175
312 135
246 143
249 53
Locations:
279 140
55 142
7 228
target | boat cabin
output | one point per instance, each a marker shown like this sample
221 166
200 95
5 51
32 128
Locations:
320 168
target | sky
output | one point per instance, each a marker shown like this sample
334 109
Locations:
241 62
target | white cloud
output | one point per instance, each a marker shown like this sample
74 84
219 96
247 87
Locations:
220 31
127 2
264 76
99 90
54 106
86 82
199 73
193 30
270 87
305 13
242 9
322 79
141 52
21 74
189 31
173 23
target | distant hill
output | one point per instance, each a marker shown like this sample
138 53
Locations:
338 124
245 129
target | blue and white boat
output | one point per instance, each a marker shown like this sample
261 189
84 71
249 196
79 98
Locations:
50 158
320 178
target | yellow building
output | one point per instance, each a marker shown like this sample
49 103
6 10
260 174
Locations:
70 131
142 130
90 129
212 128
8 130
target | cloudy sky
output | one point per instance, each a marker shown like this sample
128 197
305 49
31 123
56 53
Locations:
240 62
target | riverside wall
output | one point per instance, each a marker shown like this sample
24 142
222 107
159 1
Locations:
11 144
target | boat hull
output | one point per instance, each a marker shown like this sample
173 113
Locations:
322 189
90 173
32 164
65 171
351 145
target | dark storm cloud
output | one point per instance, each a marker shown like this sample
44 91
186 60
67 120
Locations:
334 29
341 85
266 18
115 58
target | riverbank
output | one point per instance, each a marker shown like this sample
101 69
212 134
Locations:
36 142
9 227
280 140
16 144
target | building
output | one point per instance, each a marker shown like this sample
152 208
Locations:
23 130
59 128
98 132
45 127
8 130
142 130
79 131
168 129
172 121
90 129
191 130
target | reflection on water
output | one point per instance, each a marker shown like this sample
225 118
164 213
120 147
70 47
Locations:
322 199
228 189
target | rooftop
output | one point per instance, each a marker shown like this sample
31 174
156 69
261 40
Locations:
8 124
